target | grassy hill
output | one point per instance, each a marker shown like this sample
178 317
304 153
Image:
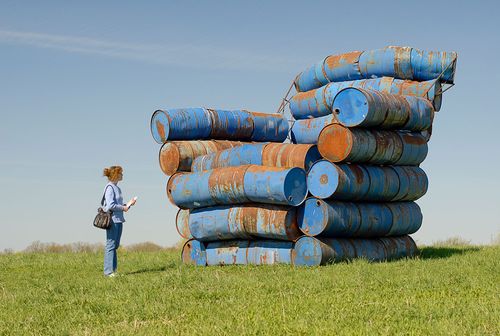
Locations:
447 290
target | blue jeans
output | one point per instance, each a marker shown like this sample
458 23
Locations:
113 235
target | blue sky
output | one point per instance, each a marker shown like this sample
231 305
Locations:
79 81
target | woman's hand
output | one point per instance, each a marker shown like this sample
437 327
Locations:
126 207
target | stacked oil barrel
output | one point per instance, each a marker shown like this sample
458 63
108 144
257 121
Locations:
370 114
343 189
236 183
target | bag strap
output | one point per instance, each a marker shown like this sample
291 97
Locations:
104 195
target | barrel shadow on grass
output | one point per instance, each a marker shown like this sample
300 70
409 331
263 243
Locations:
437 252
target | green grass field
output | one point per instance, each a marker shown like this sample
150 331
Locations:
447 290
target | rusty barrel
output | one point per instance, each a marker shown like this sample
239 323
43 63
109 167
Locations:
276 185
182 224
345 182
271 127
431 64
306 131
232 157
355 107
399 247
175 156
341 144
413 183
331 219
311 251
180 124
290 155
319 102
414 149
244 222
384 183
406 218
328 218
201 123
398 62
270 154
269 252
244 252
194 253
353 182
242 184
231 124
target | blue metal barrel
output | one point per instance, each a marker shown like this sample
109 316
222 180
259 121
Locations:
175 156
389 147
369 249
232 157
343 67
234 124
413 183
311 78
269 252
390 61
311 251
244 252
189 190
309 104
217 223
399 247
180 124
227 252
340 144
306 131
397 62
384 183
406 218
344 182
328 218
421 116
182 224
333 219
233 185
194 253
269 127
244 222
271 222
430 90
414 149
288 155
319 102
368 108
275 185
360 107
376 220
431 64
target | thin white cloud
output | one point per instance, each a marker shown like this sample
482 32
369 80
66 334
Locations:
188 55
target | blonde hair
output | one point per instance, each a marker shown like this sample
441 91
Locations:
112 172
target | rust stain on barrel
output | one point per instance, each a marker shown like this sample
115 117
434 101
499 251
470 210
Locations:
412 139
334 61
335 142
161 130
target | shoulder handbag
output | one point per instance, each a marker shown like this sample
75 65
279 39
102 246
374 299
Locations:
103 218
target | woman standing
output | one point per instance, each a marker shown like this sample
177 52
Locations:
114 202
